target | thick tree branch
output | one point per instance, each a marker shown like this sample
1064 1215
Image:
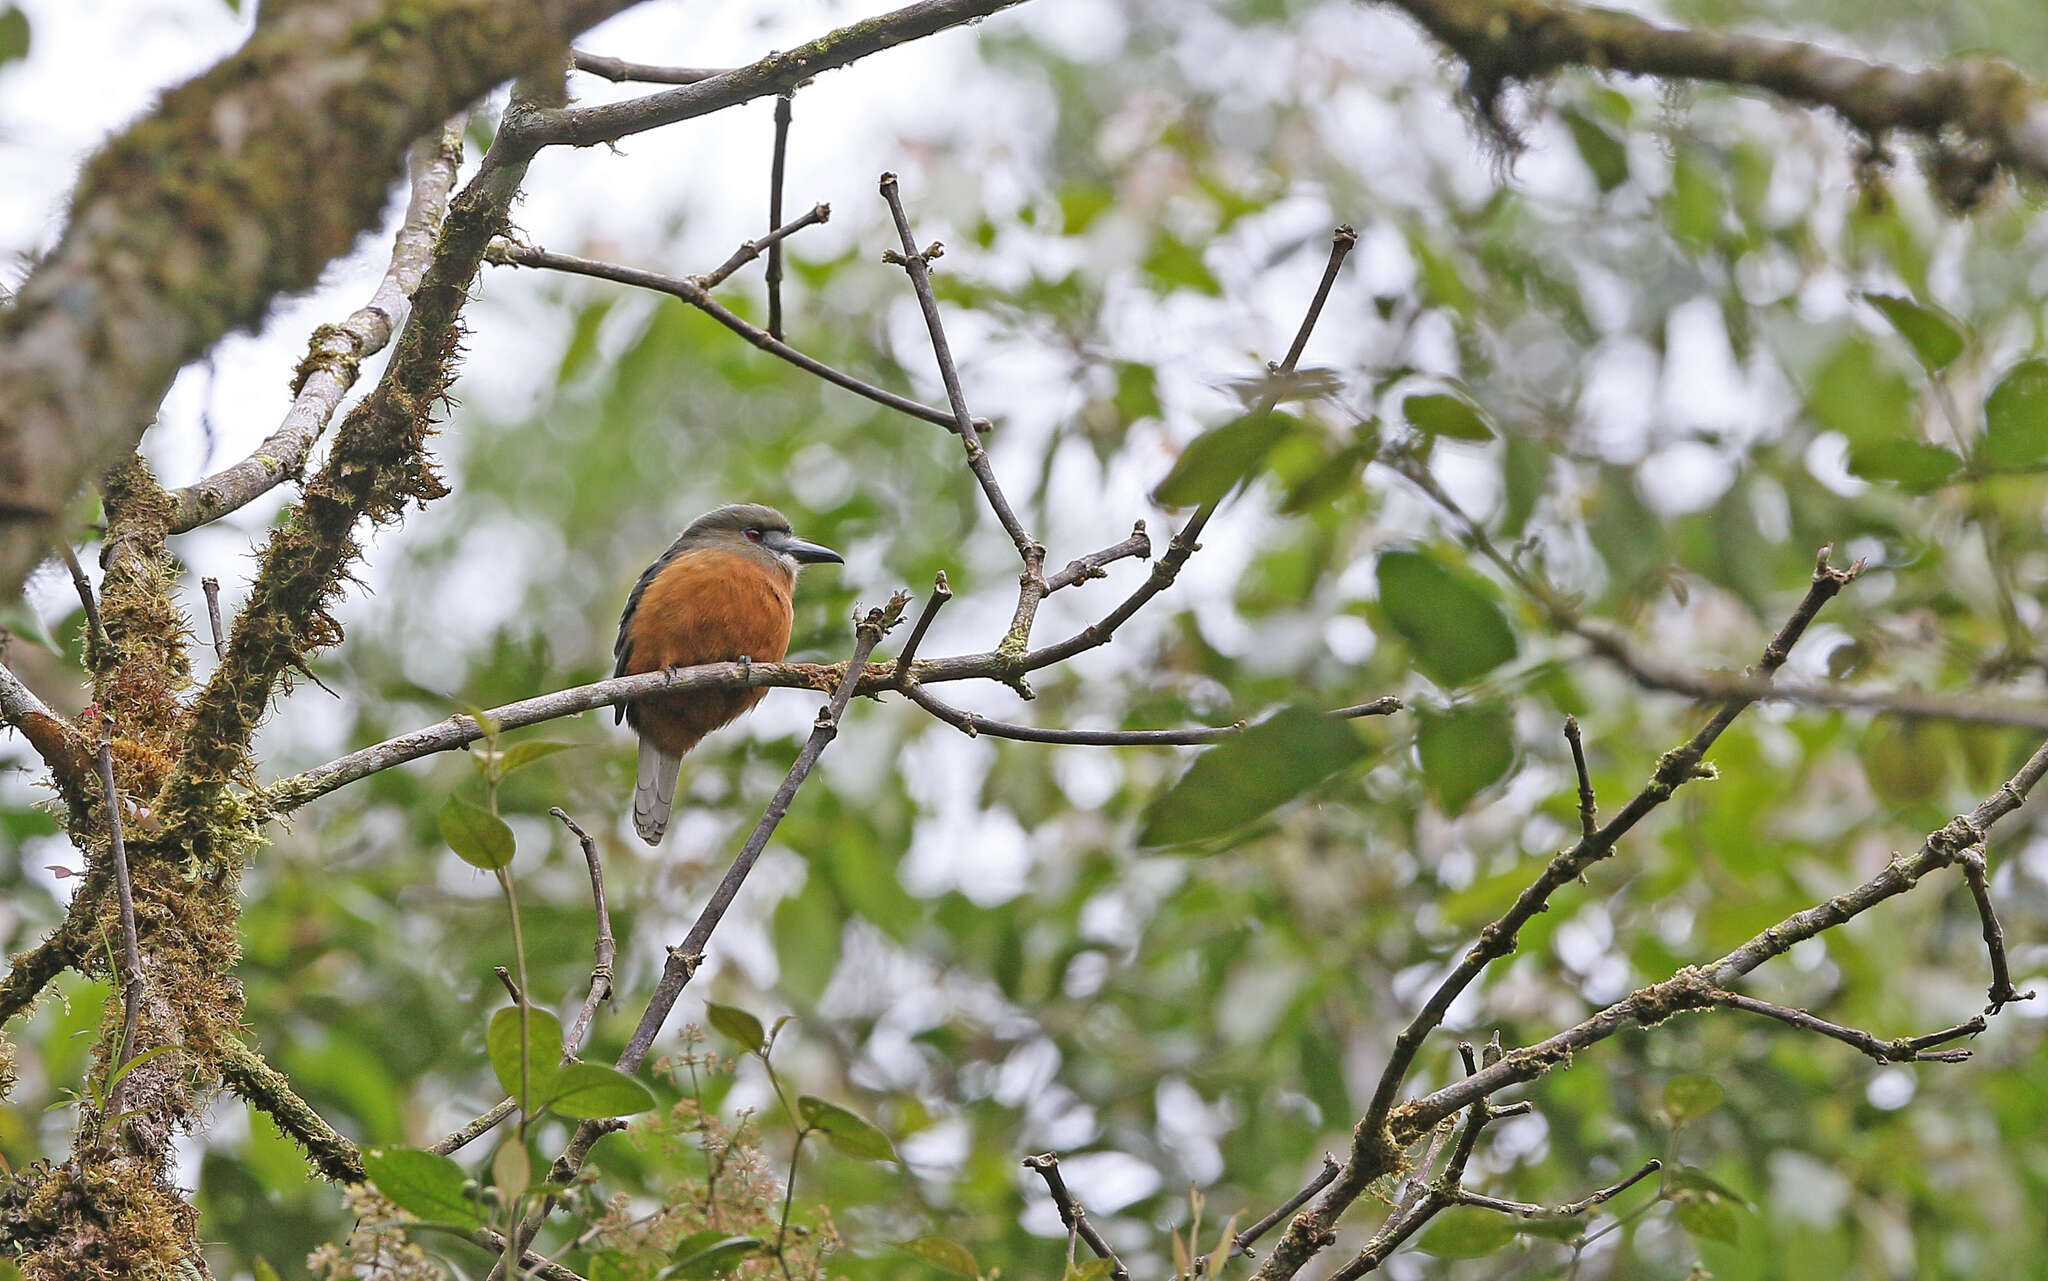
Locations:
61 747
335 355
29 972
1988 102
241 186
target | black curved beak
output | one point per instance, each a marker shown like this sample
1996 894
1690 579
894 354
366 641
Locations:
804 553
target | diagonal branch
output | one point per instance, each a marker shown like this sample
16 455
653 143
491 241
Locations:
973 724
1048 1167
61 746
1905 1049
695 294
335 355
250 1075
685 957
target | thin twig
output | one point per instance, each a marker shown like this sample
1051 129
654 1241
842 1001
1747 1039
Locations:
102 648
605 950
972 724
1900 1050
769 243
131 950
2001 992
1589 816
1242 1243
211 587
1183 544
1085 568
618 70
694 294
775 168
1524 1210
942 591
916 263
1048 1166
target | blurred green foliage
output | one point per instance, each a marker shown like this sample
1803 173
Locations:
1663 355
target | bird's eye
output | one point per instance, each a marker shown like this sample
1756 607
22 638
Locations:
753 535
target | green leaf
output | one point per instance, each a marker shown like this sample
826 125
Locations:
589 1091
1688 1097
1709 1218
1448 618
1914 465
1251 773
424 1184
137 1062
943 1253
1694 205
1137 390
1088 1270
520 755
1935 338
707 1254
479 837
262 1269
1217 460
1860 394
18 619
1464 751
14 34
739 1025
543 1053
614 1265
1690 1178
1442 414
1176 264
2016 417
1463 1233
848 1131
1602 151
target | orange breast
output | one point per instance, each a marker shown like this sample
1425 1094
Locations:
706 607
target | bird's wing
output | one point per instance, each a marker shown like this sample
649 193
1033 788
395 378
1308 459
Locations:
622 648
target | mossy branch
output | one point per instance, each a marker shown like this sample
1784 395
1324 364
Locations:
1986 102
250 1075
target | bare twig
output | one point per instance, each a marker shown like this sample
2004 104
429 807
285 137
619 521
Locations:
1242 1243
1524 1210
131 950
336 353
972 724
2001 992
1589 816
618 70
771 244
1900 1050
942 591
1048 1167
916 263
1085 568
211 587
605 950
1184 543
775 169
474 1130
96 631
694 294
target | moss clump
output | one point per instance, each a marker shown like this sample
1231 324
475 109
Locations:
107 1219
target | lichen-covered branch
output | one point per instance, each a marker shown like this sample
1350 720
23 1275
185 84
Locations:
335 354
250 1075
1988 102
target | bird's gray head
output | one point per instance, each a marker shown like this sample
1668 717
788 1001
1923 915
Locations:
757 530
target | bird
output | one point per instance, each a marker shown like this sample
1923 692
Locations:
721 593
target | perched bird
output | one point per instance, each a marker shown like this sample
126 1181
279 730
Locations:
720 593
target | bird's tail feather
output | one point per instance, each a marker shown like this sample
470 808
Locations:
655 795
